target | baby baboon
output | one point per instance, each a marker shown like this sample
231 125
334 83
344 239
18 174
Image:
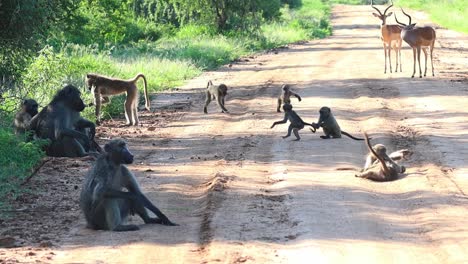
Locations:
285 97
60 121
296 122
102 87
385 170
381 150
329 125
25 114
215 92
103 199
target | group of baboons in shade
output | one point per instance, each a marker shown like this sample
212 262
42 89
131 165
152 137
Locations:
111 192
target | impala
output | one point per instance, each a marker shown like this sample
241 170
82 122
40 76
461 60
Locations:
417 38
389 34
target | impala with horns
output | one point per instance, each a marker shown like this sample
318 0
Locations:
389 34
417 38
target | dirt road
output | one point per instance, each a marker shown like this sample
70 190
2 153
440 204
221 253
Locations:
241 194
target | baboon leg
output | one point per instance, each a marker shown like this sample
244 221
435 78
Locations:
296 133
327 133
279 106
116 211
372 175
414 62
290 128
221 104
97 103
425 62
136 120
140 209
207 102
66 147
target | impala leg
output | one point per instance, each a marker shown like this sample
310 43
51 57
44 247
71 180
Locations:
395 49
390 57
432 63
399 52
419 61
385 54
414 62
425 61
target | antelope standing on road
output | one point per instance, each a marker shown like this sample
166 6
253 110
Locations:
390 33
417 38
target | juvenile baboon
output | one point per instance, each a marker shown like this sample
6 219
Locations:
102 87
60 121
296 122
215 92
285 97
25 114
111 192
385 170
329 125
381 150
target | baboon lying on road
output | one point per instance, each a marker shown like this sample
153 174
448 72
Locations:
385 170
25 114
285 97
329 125
103 199
215 92
60 121
296 122
102 87
381 150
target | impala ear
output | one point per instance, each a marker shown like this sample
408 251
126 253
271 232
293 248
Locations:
376 15
389 14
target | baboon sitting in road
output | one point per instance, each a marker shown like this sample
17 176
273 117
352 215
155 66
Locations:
385 170
61 123
329 125
215 92
25 114
102 87
296 122
285 97
111 192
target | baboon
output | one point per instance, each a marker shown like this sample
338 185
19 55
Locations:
329 125
61 123
102 87
285 97
381 150
215 92
296 122
103 199
385 170
25 114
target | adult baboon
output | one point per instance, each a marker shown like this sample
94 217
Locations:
25 114
381 150
60 121
285 97
102 87
215 92
385 170
103 199
329 125
296 122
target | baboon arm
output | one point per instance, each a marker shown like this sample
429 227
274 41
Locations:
147 203
83 123
112 193
297 96
221 104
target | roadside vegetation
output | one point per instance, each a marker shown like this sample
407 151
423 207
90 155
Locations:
48 43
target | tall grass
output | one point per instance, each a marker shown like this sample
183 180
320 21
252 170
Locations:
448 13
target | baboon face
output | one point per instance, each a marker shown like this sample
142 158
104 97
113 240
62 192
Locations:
287 107
90 81
30 106
324 112
119 152
72 97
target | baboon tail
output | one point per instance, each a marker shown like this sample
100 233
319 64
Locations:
147 101
350 136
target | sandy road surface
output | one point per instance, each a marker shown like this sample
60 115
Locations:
241 194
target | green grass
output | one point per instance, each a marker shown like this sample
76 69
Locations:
448 13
